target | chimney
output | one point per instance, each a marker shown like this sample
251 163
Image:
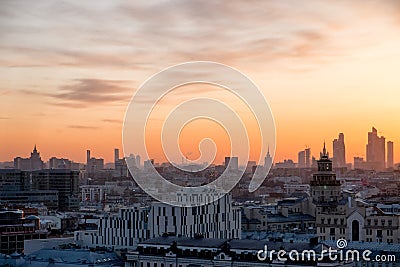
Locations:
87 155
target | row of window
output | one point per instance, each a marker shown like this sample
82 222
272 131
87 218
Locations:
379 232
383 222
335 221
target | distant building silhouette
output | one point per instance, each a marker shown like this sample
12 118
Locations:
301 159
250 166
268 160
66 182
359 163
120 167
304 158
390 153
234 163
286 164
308 157
93 164
137 161
339 152
375 151
33 163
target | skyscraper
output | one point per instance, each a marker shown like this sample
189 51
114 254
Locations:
34 162
375 150
268 160
339 152
116 154
390 153
301 159
137 162
308 157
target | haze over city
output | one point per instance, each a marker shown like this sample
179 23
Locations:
68 71
175 133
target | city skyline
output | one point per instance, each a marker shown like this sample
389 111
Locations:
315 63
304 157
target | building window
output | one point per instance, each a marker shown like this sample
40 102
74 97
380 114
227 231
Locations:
379 233
332 231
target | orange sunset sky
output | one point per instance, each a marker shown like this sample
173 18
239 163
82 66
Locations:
69 68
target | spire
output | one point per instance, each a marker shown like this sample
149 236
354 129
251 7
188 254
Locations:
268 154
34 149
324 153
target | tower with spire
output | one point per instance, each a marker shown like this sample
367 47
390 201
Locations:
268 160
36 161
33 163
327 198
324 185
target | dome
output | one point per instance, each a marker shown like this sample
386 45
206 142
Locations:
32 217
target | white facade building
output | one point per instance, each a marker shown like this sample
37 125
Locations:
134 224
218 219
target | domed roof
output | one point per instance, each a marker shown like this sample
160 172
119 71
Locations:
32 217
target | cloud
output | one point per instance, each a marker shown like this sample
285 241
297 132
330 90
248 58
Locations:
4 118
82 127
226 31
94 91
87 92
111 121
5 92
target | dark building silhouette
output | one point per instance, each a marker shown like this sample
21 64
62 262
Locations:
34 162
120 167
93 165
16 188
234 163
57 189
390 154
66 182
301 159
339 152
375 151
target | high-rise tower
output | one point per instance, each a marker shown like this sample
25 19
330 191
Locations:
339 152
268 160
375 150
390 153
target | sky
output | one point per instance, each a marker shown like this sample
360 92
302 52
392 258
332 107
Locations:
69 68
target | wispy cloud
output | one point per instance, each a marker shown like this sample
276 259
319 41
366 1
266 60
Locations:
4 118
225 31
88 92
82 127
111 121
5 92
